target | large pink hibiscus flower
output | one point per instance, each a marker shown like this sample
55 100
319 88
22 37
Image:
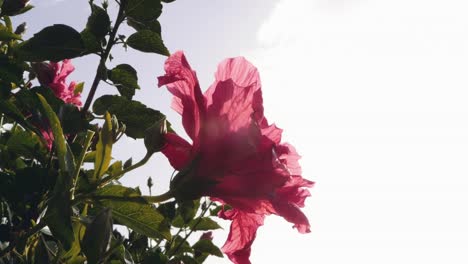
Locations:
236 157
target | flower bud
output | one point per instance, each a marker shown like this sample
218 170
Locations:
154 136
20 29
44 71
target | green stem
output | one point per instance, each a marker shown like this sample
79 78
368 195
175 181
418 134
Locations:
87 143
150 199
121 173
194 227
104 56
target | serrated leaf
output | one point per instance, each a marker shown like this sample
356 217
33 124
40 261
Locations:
143 10
125 79
153 25
147 41
136 213
207 246
136 116
53 43
103 148
203 224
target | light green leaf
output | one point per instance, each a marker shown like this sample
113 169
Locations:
103 148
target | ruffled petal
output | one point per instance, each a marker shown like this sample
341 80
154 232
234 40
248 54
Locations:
236 92
188 100
241 235
291 213
177 150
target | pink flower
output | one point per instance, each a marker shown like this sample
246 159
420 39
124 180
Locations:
236 157
53 75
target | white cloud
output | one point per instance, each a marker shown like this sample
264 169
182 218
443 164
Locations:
374 96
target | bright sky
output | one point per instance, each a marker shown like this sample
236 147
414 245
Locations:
373 94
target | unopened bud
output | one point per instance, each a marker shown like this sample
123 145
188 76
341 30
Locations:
44 71
154 136
20 29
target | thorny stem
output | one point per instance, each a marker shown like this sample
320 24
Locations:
102 63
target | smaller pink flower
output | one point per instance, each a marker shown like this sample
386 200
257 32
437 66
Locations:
53 75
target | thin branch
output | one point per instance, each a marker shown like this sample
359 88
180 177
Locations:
102 63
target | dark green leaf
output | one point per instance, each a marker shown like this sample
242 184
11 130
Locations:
103 148
10 110
59 210
97 236
143 10
25 143
132 210
72 119
179 245
98 22
153 25
203 224
136 116
155 257
187 209
53 43
147 41
90 42
207 246
125 79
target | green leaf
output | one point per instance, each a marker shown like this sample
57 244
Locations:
6 35
153 25
59 208
125 79
187 209
53 43
132 210
103 148
98 22
90 42
10 110
203 224
73 121
207 246
97 236
143 10
147 41
59 138
136 116
179 245
25 143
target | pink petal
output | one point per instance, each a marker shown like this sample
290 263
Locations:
241 235
188 100
243 75
291 213
177 150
